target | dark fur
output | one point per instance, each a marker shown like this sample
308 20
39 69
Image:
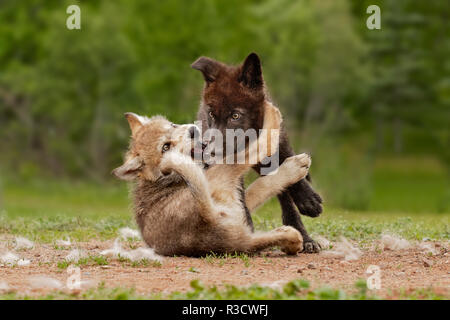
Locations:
230 89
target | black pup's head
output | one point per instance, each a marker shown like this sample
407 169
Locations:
233 96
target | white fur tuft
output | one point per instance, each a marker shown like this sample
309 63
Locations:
23 243
429 248
391 242
75 255
9 258
64 243
134 255
343 249
128 233
23 262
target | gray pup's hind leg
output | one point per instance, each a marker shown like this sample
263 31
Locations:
289 239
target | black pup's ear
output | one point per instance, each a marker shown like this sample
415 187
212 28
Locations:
251 72
209 68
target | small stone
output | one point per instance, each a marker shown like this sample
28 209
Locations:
311 265
105 267
299 271
427 263
327 268
244 272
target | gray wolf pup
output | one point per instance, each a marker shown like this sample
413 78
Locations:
183 209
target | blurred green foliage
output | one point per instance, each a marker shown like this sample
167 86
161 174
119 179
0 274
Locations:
298 289
349 94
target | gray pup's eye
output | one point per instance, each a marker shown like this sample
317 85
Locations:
211 115
166 147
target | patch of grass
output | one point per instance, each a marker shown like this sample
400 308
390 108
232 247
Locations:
64 264
359 226
99 260
296 289
220 259
418 185
193 270
418 294
99 293
51 198
146 263
49 229
85 261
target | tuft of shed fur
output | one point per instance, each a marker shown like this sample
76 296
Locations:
391 242
75 255
116 252
128 233
343 249
23 243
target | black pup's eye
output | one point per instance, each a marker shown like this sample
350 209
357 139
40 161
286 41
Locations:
211 115
235 116
166 147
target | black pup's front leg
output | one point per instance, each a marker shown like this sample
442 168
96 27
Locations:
308 202
300 193
291 218
305 198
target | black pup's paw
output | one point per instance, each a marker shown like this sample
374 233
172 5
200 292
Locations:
311 207
308 202
311 246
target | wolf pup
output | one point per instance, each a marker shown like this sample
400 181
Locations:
234 97
182 209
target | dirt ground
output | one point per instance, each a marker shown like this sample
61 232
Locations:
400 269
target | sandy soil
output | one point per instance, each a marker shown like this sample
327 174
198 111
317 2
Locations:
407 269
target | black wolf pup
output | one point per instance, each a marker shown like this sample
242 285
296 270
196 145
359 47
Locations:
233 97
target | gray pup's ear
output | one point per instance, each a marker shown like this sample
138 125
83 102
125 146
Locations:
251 72
130 169
209 68
135 121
